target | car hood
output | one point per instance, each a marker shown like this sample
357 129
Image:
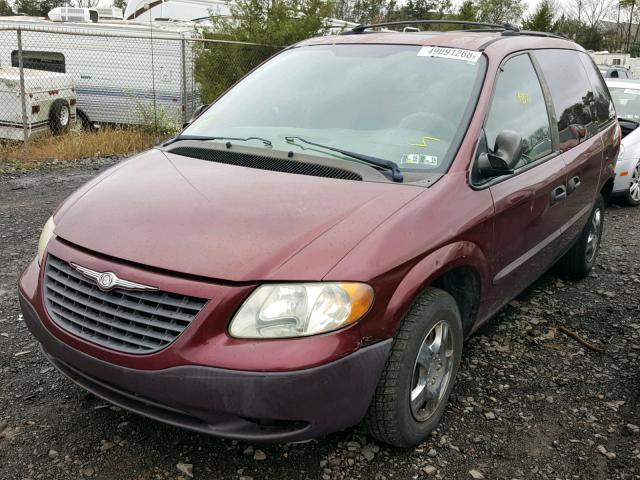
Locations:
223 221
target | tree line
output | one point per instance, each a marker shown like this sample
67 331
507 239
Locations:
595 24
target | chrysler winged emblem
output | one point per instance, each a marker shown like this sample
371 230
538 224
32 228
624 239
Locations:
107 281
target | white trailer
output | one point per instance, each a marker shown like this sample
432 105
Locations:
49 103
122 70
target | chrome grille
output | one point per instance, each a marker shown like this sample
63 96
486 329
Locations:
123 320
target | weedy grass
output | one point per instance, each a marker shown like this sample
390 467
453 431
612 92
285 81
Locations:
80 145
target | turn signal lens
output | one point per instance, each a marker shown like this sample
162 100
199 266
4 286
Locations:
302 309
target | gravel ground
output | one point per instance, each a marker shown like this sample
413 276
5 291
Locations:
529 402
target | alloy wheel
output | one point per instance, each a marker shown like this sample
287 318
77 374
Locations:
594 235
634 188
432 371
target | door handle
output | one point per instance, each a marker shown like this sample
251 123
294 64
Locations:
573 185
558 194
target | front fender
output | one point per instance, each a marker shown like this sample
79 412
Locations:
429 269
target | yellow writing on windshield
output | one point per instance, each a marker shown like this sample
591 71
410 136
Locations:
523 98
425 142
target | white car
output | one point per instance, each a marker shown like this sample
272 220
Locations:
626 97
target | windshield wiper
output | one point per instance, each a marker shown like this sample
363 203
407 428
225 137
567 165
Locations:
265 142
628 120
396 174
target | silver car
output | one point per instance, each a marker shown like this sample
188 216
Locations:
626 97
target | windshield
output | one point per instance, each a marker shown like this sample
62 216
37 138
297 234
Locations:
627 102
385 101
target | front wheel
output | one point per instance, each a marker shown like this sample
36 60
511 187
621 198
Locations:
633 195
578 262
418 378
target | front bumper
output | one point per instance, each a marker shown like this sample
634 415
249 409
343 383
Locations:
621 184
280 406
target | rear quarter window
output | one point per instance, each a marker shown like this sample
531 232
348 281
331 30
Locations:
573 96
604 107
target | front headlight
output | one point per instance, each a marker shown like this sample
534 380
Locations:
46 235
298 310
621 152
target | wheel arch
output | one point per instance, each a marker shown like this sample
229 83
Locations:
607 188
461 269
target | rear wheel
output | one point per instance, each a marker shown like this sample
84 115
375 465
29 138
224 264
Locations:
418 378
59 116
578 262
85 123
633 195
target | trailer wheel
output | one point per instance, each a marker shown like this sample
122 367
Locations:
59 116
85 123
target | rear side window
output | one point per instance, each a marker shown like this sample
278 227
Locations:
603 106
518 104
572 94
47 61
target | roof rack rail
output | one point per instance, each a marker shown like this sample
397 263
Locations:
495 26
535 33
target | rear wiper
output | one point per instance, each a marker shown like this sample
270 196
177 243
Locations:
265 142
396 174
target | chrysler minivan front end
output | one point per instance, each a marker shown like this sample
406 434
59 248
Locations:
312 250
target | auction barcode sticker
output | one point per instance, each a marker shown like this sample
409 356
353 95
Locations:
453 53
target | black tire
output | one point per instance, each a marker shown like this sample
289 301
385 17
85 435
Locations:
390 418
59 116
635 180
85 123
578 262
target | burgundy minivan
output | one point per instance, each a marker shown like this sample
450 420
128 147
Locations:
312 250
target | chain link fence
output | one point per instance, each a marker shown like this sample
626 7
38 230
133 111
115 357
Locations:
55 79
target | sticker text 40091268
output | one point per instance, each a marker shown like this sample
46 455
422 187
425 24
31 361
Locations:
452 53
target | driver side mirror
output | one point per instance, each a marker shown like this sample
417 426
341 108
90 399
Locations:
505 156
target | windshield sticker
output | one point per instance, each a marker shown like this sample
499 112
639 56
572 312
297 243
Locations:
419 159
452 53
425 142
631 91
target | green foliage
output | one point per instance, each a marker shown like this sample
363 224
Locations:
120 4
500 11
369 11
589 37
272 24
542 19
5 8
467 11
418 10
157 121
37 8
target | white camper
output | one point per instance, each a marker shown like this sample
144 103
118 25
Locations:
190 10
122 70
50 103
199 11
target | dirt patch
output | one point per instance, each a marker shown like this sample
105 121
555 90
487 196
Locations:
529 402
